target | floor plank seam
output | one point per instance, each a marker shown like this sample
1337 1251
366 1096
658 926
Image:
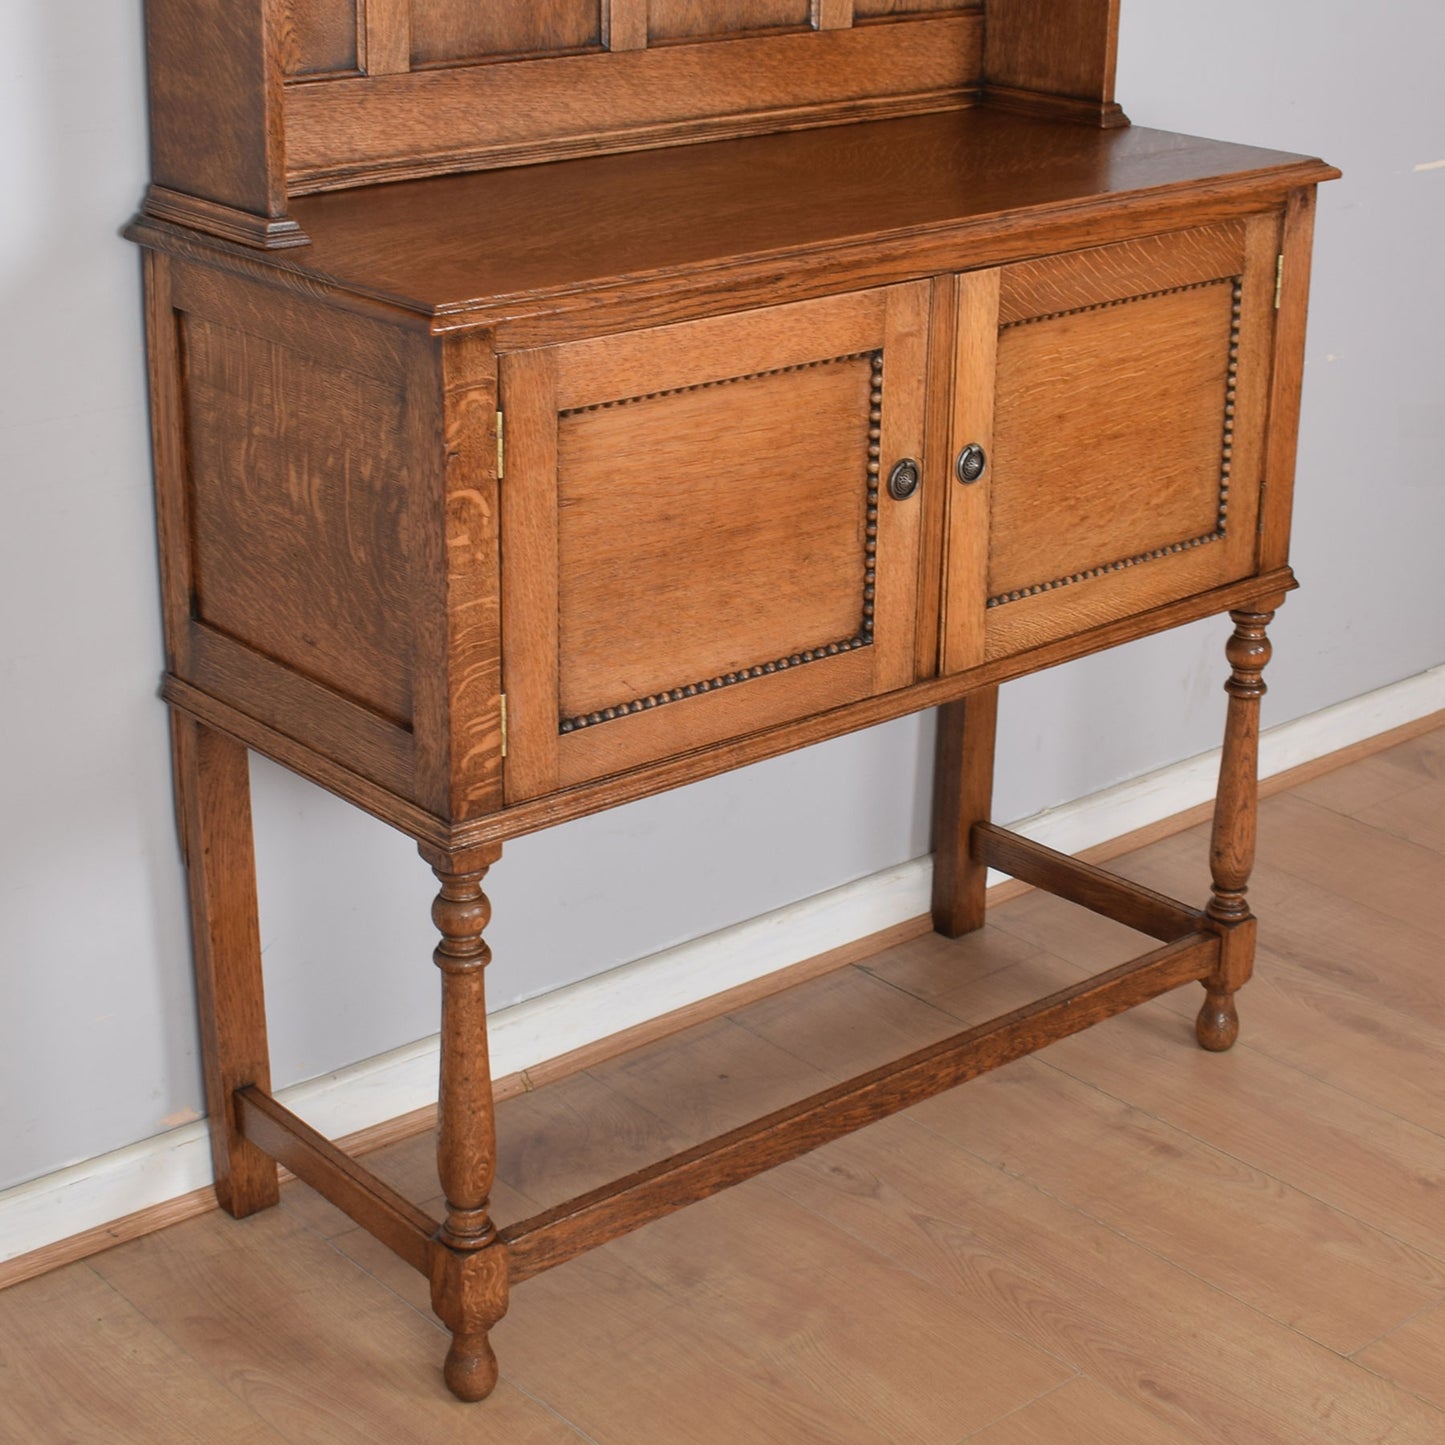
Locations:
178 1345
1439 1257
1084 1212
1404 1389
1018 1409
1252 1045
332 1244
1008 1331
1394 1329
552 1410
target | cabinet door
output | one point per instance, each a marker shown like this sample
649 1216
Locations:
1120 395
698 538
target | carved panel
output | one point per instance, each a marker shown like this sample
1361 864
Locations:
714 534
1113 443
697 19
299 478
447 31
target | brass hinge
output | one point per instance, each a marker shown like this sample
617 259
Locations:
502 444
1278 280
504 724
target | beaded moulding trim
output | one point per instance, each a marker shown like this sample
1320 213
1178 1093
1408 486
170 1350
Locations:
862 638
1226 464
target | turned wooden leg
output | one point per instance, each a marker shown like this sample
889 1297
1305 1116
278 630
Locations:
962 796
1236 813
213 802
469 1264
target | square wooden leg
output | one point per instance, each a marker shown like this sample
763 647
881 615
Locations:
213 793
962 796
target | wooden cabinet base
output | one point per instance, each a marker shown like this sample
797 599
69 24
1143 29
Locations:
472 1263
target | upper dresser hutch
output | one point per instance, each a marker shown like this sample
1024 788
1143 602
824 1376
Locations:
557 401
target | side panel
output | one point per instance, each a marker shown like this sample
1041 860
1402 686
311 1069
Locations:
302 501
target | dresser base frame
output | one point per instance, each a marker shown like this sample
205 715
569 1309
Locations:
470 1261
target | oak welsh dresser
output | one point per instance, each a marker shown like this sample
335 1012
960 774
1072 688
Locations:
557 401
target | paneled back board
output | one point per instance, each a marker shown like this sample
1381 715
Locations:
254 101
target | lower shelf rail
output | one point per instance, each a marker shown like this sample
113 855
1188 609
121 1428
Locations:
569 1229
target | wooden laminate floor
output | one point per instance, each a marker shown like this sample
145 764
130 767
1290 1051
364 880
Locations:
1121 1241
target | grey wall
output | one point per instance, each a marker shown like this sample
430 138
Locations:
96 1034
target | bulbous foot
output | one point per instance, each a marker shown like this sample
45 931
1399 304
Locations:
1217 1026
471 1367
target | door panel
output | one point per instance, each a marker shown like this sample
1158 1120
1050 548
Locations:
697 536
1129 387
1109 430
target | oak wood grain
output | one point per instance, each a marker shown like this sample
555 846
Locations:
668 213
1288 377
937 418
399 1224
886 9
962 797
216 131
446 31
346 132
831 14
385 36
320 37
1063 47
1235 827
471 761
1141 909
676 610
467 1262
529 524
377 748
969 507
694 19
1052 284
213 787
626 24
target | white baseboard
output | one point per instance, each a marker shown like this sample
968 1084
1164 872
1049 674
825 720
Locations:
97 1191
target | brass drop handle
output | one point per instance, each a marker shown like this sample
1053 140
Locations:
972 461
903 480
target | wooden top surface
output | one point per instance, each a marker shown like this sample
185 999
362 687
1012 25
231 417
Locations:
508 240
